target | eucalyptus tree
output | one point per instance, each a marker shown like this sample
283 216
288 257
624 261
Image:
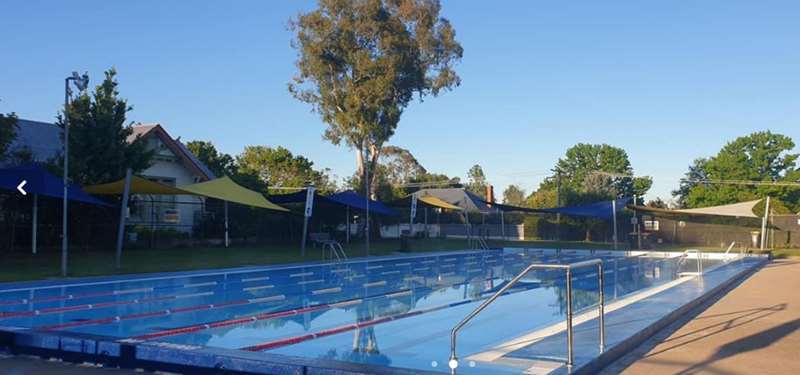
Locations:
360 64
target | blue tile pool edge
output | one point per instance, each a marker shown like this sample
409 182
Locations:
161 356
615 352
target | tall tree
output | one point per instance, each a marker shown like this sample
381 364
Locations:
100 148
221 164
8 132
590 173
360 63
279 167
401 165
761 156
514 195
694 177
476 181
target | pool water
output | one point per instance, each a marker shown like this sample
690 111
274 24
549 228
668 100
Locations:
394 311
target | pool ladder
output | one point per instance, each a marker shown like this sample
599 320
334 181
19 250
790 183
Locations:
335 250
568 268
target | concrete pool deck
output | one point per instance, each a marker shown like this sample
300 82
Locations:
753 329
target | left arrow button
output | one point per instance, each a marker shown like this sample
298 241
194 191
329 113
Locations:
21 186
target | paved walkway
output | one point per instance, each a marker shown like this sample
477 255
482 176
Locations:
754 329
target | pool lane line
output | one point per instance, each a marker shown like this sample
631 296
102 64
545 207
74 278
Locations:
167 287
353 326
4 315
152 289
90 306
273 315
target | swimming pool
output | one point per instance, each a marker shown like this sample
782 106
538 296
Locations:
388 312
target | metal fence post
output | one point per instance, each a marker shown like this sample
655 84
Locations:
570 357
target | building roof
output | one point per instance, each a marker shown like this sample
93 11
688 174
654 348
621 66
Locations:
42 139
177 148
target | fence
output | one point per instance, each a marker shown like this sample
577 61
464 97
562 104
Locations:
508 232
783 232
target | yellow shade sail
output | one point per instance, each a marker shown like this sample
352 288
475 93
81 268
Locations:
225 189
139 185
436 202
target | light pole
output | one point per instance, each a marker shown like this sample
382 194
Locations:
80 82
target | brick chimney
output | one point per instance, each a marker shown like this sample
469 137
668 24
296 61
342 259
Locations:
490 194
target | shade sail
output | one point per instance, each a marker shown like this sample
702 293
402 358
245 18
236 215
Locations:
741 209
41 182
351 199
459 198
436 202
139 185
347 198
601 210
225 189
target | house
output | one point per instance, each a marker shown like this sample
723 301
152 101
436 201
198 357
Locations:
173 164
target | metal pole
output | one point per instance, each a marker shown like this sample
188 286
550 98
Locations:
227 238
34 223
570 357
122 214
303 239
638 225
503 224
427 234
558 204
64 238
367 183
347 224
614 220
601 307
764 225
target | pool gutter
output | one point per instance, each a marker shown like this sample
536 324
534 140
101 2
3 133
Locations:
161 356
613 353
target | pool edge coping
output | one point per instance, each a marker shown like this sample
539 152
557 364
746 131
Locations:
610 355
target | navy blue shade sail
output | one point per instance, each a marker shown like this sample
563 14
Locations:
39 181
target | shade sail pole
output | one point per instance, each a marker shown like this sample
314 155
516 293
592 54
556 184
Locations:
503 224
35 223
347 224
309 209
227 238
614 220
764 225
122 213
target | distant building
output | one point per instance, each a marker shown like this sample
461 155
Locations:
173 164
36 141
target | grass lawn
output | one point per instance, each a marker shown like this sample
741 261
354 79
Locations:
25 266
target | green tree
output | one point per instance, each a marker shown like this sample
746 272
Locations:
100 148
584 160
276 167
401 165
221 164
694 177
590 173
761 156
476 181
8 132
514 195
360 63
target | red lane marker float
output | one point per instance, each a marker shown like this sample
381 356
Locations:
349 327
88 306
229 322
280 314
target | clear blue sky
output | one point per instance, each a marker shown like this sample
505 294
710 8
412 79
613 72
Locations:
668 82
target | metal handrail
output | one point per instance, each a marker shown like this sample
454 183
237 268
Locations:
699 255
568 268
